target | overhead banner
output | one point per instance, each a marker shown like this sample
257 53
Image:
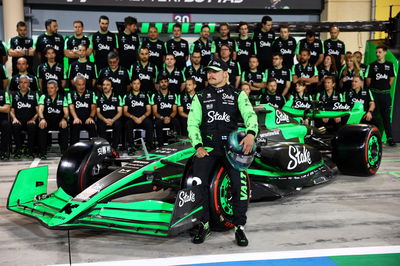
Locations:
193 4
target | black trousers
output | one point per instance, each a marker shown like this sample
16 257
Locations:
203 167
5 140
62 135
17 134
383 103
160 125
147 125
76 130
183 124
116 134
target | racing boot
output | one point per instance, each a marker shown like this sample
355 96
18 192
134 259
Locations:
204 232
240 236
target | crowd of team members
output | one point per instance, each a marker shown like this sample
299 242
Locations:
146 83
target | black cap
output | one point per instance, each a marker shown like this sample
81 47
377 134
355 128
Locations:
218 65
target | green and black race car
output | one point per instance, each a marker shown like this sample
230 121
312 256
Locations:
92 180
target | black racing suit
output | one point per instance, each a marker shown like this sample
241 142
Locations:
214 114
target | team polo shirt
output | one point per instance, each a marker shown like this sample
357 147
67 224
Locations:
204 49
103 43
47 73
86 69
53 108
349 77
24 105
175 79
136 103
21 43
72 43
335 48
185 101
3 50
322 73
128 46
363 68
3 75
120 79
380 74
179 49
200 75
14 83
234 70
301 102
218 42
164 103
281 75
4 99
147 75
254 77
263 45
109 106
333 102
316 48
274 100
245 49
56 41
82 103
363 96
307 71
287 49
156 51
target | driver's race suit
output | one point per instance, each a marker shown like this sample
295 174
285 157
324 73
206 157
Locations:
214 114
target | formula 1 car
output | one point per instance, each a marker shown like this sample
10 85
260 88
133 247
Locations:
92 179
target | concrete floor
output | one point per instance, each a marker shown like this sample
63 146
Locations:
347 212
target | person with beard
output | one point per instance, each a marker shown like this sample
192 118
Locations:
282 75
145 71
50 39
176 77
185 101
203 45
128 43
224 39
256 79
234 70
156 48
315 46
82 67
271 97
178 47
305 71
335 47
196 71
263 40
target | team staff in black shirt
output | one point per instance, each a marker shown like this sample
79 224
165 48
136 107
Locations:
73 42
263 40
50 70
145 71
5 126
185 101
203 45
196 71
128 43
22 66
362 95
50 39
156 48
178 47
21 46
82 67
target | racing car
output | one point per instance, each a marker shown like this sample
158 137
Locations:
92 180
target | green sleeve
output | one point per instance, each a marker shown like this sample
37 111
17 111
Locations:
323 46
69 100
116 41
123 100
297 48
91 41
370 96
213 47
367 72
41 100
37 84
194 122
5 72
315 71
247 112
239 69
243 76
341 71
290 75
94 98
318 96
255 48
265 75
65 42
191 48
183 75
236 46
156 75
65 102
8 98
293 70
5 47
34 42
151 100
177 99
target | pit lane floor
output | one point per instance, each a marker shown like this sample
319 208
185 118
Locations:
347 212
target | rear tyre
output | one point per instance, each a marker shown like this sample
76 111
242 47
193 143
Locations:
357 150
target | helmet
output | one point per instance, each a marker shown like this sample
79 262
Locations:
234 153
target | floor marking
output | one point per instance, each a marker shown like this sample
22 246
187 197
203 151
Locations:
35 162
297 254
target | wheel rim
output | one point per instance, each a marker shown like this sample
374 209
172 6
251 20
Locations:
373 150
225 195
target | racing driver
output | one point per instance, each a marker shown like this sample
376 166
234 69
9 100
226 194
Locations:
214 114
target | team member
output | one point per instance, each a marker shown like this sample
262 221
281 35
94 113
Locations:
380 77
109 110
203 45
234 70
335 47
21 46
263 40
23 116
145 71
185 100
271 97
22 66
82 67
178 47
128 43
286 46
222 105
246 88
156 48
327 68
245 46
281 74
103 43
137 109
362 95
73 42
224 39
82 109
164 109
349 70
301 99
3 77
314 45
51 70
5 126
176 77
53 115
50 39
358 55
196 71
3 53
119 75
306 72
256 79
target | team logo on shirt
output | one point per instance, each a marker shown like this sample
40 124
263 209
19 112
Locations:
137 104
21 105
107 107
165 105
216 116
51 110
103 47
340 106
265 44
50 76
380 76
80 104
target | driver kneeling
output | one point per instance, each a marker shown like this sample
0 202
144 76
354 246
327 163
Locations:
213 116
